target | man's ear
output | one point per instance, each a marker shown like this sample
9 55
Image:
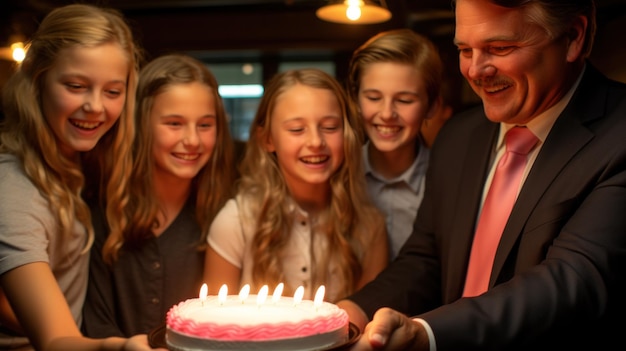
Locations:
267 141
576 38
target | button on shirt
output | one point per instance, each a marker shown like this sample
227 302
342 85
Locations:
232 234
133 296
398 198
296 259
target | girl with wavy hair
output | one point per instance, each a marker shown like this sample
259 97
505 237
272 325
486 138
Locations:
182 175
66 135
301 216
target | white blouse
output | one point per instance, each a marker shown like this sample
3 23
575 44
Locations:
231 236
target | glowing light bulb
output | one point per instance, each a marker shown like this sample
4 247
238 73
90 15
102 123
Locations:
17 51
353 12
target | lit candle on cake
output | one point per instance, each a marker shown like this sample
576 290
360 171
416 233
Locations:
244 292
221 295
262 295
203 293
278 292
297 297
319 297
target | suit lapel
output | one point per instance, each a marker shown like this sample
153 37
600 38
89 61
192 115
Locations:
567 137
475 170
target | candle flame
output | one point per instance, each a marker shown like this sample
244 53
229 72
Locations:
297 297
278 292
319 296
260 299
203 292
244 292
221 296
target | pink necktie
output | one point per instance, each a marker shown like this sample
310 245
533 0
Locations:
497 207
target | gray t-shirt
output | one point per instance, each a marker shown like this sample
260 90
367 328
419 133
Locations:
28 233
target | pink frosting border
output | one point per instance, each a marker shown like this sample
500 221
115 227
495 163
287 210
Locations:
334 320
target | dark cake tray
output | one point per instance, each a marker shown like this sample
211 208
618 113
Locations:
156 338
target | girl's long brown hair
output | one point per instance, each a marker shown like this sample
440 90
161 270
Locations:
349 218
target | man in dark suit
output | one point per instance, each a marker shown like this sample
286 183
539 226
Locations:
558 278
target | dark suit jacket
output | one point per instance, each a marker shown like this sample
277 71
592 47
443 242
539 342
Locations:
559 274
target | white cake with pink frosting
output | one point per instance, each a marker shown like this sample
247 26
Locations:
236 323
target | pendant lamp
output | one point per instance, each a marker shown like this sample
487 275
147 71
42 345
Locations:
354 12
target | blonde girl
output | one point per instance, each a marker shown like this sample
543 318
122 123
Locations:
66 134
302 216
182 175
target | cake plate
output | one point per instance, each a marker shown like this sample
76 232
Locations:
156 338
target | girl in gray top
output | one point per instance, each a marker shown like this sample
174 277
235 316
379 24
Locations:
67 110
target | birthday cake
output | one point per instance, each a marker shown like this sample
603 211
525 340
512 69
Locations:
236 323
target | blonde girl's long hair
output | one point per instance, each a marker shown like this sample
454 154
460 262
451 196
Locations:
349 218
26 134
211 186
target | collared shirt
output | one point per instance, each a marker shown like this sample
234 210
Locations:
398 198
540 126
232 237
134 294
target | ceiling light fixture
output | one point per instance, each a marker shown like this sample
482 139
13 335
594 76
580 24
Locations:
355 12
15 52
18 52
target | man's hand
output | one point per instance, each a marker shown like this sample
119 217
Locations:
392 330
